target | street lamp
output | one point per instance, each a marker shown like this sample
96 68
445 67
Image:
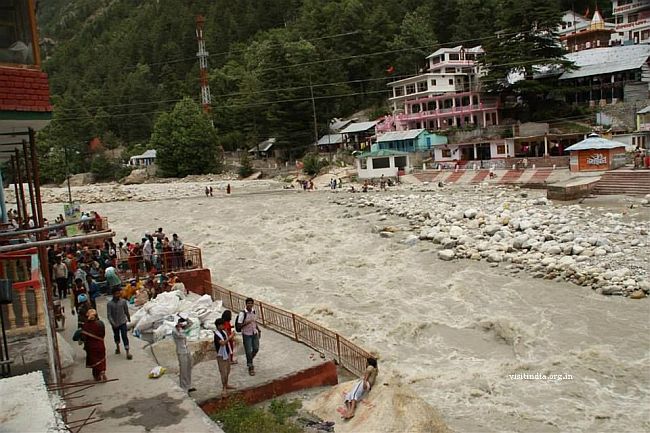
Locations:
67 172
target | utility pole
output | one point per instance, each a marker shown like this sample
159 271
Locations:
203 65
313 108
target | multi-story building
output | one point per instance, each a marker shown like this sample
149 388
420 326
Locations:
447 95
632 20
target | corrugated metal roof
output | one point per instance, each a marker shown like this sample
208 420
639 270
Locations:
477 49
399 135
594 142
151 153
607 60
338 124
263 146
359 127
644 110
330 139
381 152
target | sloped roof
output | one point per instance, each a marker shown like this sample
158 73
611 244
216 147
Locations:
607 60
359 127
381 152
151 153
595 142
456 49
338 124
644 110
263 146
399 135
330 139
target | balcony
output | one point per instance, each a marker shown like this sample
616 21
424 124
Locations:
445 112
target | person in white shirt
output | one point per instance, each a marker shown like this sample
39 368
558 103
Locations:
183 352
222 346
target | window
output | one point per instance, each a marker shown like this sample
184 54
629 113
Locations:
428 141
364 163
435 60
399 91
400 161
645 34
501 149
16 45
380 163
410 88
454 56
450 70
632 18
415 108
470 56
433 83
569 24
446 153
451 81
422 86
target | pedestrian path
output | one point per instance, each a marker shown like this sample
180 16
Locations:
133 403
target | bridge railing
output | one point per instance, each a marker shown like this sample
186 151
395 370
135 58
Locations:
347 354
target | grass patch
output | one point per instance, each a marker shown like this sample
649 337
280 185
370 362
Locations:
240 418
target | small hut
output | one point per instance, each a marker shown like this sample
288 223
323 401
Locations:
595 153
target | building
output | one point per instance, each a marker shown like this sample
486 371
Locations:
643 119
596 154
359 136
24 90
584 34
144 160
447 95
632 19
263 149
329 142
389 163
413 140
608 75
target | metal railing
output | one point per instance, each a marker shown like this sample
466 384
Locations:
134 266
347 354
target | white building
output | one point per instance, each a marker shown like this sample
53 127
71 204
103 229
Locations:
632 20
147 158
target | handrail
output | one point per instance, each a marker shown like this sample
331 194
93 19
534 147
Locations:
348 355
189 258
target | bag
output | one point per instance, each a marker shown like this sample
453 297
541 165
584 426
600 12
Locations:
238 324
156 372
77 335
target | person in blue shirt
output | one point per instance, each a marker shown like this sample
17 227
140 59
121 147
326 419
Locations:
93 290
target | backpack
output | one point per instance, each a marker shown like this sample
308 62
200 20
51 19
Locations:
238 324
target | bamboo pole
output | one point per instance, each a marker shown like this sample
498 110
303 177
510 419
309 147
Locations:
65 240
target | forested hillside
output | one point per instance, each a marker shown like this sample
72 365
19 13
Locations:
116 65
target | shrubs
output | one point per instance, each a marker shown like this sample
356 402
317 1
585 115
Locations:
240 418
245 166
312 163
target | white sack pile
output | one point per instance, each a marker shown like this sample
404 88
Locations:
159 315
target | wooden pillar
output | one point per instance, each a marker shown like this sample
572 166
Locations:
22 296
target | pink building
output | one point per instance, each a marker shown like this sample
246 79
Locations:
446 96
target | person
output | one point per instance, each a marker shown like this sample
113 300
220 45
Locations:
210 191
227 326
93 290
207 191
247 320
77 290
177 251
112 279
60 271
159 234
92 333
183 352
83 306
361 387
222 345
130 289
117 311
228 189
147 252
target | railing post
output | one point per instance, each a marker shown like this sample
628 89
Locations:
262 313
231 304
295 329
338 349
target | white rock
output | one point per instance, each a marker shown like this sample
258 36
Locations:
446 254
471 213
491 230
554 250
455 232
495 257
411 240
577 250
599 252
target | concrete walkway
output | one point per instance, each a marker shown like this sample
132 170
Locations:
134 403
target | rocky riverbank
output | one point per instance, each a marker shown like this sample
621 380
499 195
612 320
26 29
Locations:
522 231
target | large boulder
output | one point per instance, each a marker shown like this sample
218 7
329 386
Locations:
136 177
80 179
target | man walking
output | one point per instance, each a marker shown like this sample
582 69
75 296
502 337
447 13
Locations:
61 277
246 323
183 353
117 311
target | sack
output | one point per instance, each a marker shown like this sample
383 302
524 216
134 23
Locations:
156 372
77 335
238 324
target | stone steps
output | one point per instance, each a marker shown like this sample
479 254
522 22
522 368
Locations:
626 182
511 176
455 176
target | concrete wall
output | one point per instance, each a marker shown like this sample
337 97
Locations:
320 375
196 280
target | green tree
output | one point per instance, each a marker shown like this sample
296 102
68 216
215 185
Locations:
185 141
417 39
245 165
527 44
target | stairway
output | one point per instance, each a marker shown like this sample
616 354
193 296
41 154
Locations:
627 182
540 175
427 176
511 176
452 178
480 176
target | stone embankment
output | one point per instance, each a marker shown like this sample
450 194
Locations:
523 231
